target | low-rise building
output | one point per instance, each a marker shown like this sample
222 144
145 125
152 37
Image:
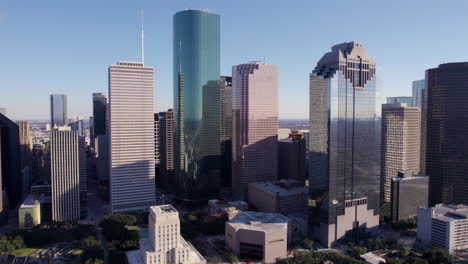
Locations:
29 213
283 197
444 226
258 236
165 245
408 193
219 206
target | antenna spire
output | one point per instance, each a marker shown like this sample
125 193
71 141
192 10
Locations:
142 39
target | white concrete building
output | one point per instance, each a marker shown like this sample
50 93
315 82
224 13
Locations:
257 236
165 245
444 226
131 130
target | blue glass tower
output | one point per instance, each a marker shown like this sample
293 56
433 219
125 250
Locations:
196 105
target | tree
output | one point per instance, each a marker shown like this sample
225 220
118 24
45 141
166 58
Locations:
233 259
83 231
88 242
437 256
94 261
192 218
356 252
124 219
308 243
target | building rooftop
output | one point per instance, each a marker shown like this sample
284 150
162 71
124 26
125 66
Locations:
281 188
31 201
163 209
259 221
449 213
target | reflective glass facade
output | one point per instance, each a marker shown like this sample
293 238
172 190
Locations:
446 133
197 104
58 110
344 137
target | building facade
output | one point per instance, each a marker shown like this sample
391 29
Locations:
197 154
418 87
225 93
66 175
131 119
10 165
99 116
166 145
446 130
408 100
255 125
165 245
344 169
408 192
444 226
258 236
58 110
157 152
401 134
292 158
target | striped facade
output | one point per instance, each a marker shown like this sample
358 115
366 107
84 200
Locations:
132 148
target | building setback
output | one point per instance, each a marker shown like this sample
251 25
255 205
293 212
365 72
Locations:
255 125
446 133
166 144
197 150
58 110
131 119
226 130
400 143
66 149
408 192
344 169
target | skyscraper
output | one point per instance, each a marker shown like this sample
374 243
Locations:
157 152
196 104
225 93
255 125
99 116
25 142
401 134
66 150
408 100
58 110
10 160
166 146
446 133
292 157
418 86
131 119
344 171
422 159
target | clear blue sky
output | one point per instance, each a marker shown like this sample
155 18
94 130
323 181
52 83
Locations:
66 46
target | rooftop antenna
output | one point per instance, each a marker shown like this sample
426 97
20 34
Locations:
142 39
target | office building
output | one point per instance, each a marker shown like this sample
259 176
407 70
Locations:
11 180
58 110
281 197
25 141
283 133
258 236
29 213
77 126
422 155
66 174
165 245
444 226
418 87
166 146
102 157
292 158
408 100
446 133
408 192
255 125
197 150
225 93
99 116
344 168
131 119
157 152
401 133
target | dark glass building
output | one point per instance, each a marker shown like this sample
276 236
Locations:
99 115
447 133
11 181
344 174
58 110
226 130
196 49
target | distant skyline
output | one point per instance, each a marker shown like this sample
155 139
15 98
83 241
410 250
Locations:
61 47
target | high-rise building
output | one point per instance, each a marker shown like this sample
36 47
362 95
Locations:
344 170
255 125
418 86
197 148
400 144
10 161
66 150
78 126
166 146
408 192
446 133
58 110
226 130
157 152
292 158
131 119
25 141
422 155
99 116
408 100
